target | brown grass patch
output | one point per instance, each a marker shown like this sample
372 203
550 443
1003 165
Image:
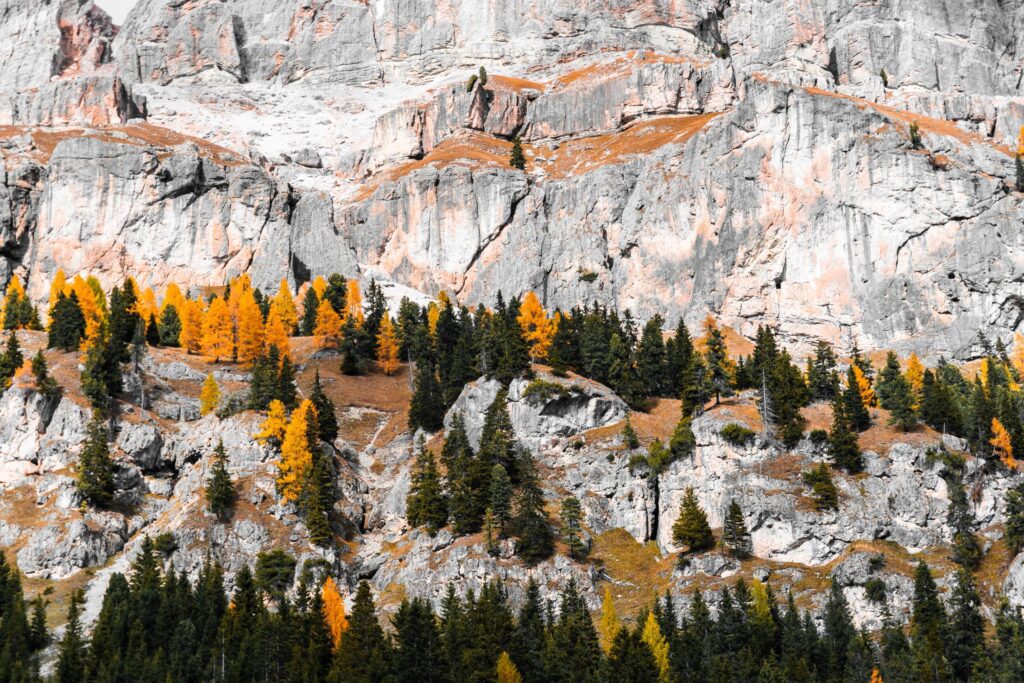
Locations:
639 571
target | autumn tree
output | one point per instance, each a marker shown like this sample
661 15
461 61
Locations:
610 622
507 671
209 397
328 327
659 647
283 307
192 319
296 458
334 610
354 303
277 332
915 373
387 347
1002 446
218 331
250 329
274 428
538 329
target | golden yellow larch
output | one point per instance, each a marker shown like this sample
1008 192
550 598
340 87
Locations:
354 303
1017 357
283 305
57 287
273 428
507 671
433 315
915 373
327 332
173 297
191 316
610 622
1002 447
249 332
867 394
387 347
218 331
91 309
658 645
276 333
334 610
319 286
538 329
296 458
209 397
876 676
98 294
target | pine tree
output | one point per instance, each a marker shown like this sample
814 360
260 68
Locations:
426 504
967 627
101 374
363 654
285 390
387 347
967 551
517 159
220 491
563 354
95 477
652 361
426 407
691 530
717 359
901 404
418 644
72 651
123 319
67 324
535 542
928 628
853 400
209 397
327 417
572 517
499 499
623 376
310 304
1015 519
631 660
629 437
11 360
822 376
823 489
842 441
1019 165
886 379
152 331
735 536
169 326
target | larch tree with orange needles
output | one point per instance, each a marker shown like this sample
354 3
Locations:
283 305
273 429
915 373
433 315
250 334
319 286
92 309
57 287
538 329
876 676
1017 356
296 458
327 331
354 303
191 317
218 331
334 610
1002 447
867 394
209 397
387 347
276 333
173 297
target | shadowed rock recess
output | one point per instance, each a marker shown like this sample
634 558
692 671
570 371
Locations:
752 160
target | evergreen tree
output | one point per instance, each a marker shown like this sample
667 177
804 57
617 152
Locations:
123 320
45 383
327 418
426 408
170 326
839 629
967 550
717 359
67 324
11 360
71 653
856 412
823 489
630 659
886 379
563 354
572 518
735 536
1019 165
822 375
901 404
500 499
1015 518
101 374
426 504
517 159
285 390
220 491
152 331
573 653
535 542
95 479
629 437
363 656
623 376
418 646
310 302
928 628
691 530
966 626
842 441
651 359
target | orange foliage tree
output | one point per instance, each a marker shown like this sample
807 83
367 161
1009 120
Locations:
277 333
250 329
283 305
1002 448
915 373
328 326
218 331
387 347
354 303
334 610
867 394
191 316
296 458
538 329
273 429
209 397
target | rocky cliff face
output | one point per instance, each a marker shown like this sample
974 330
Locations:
673 149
